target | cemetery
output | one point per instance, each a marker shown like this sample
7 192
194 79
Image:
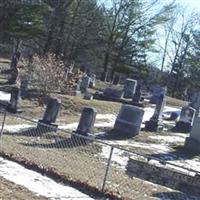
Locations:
92 106
144 143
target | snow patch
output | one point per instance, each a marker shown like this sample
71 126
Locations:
4 96
37 183
168 139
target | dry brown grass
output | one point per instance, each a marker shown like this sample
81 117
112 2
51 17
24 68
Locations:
76 162
176 102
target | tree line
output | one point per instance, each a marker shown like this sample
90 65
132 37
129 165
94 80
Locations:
119 38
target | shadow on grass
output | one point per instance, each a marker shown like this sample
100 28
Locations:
67 143
111 135
31 132
180 153
174 196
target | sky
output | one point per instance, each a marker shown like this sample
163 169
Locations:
189 4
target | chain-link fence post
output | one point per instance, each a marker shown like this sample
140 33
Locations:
3 122
107 169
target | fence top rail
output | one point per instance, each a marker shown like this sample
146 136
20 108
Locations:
91 138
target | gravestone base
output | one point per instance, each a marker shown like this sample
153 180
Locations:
78 140
14 110
182 127
88 96
153 125
192 145
42 124
125 129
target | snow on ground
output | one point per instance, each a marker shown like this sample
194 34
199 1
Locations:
17 127
37 183
168 139
4 96
158 148
110 120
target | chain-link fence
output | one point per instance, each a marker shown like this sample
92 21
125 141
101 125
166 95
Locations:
87 161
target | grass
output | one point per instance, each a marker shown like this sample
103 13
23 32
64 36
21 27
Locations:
75 161
176 102
10 191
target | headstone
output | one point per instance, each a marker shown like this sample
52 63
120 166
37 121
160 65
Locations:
112 93
26 81
130 88
155 121
129 120
84 84
51 112
14 100
137 95
195 103
186 120
193 142
92 81
87 121
157 91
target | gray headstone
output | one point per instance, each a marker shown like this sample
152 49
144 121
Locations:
14 100
92 81
193 142
196 102
157 91
113 93
137 95
129 88
155 121
51 111
87 121
186 119
129 120
195 133
84 84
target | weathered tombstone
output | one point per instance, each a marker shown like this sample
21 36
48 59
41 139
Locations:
14 100
193 142
92 81
137 95
112 93
26 81
186 120
129 88
195 103
157 91
51 112
84 84
87 121
155 121
129 120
